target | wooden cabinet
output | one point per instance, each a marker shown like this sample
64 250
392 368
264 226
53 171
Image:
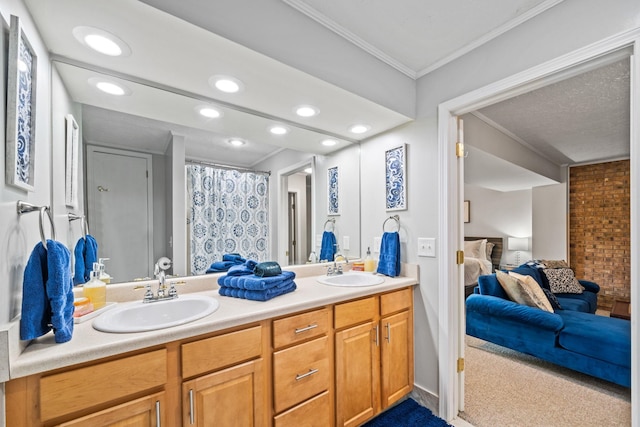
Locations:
374 355
303 369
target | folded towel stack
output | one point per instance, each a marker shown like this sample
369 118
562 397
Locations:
85 254
228 261
389 262
328 246
257 288
47 293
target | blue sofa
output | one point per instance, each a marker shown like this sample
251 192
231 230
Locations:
573 336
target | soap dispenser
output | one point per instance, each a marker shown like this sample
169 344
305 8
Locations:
95 289
103 274
369 262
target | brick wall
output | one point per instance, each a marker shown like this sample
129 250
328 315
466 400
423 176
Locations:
600 226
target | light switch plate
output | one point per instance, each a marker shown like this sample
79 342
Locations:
377 242
345 243
427 246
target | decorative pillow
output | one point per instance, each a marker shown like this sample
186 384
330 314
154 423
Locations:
520 292
475 249
562 281
552 299
554 263
534 290
490 247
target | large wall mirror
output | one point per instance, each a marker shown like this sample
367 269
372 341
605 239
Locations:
135 152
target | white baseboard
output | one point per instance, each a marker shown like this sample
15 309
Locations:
425 398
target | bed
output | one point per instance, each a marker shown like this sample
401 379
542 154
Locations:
482 256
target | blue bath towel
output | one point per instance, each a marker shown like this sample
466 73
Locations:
389 262
236 258
256 295
85 254
256 283
47 293
228 261
242 269
328 246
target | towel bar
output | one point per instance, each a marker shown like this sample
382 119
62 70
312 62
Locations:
396 218
24 207
85 224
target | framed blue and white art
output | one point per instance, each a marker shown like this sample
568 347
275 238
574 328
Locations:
333 197
395 173
21 109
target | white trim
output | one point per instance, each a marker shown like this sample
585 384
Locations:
503 89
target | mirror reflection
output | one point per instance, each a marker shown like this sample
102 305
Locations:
164 182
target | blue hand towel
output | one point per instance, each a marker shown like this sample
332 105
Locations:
47 293
242 269
220 267
236 258
264 295
389 262
85 254
256 283
328 246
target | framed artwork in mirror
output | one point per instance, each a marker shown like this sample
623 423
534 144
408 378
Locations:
333 201
467 211
71 162
395 176
21 109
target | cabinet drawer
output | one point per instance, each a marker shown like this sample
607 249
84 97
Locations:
354 312
300 327
218 352
314 412
300 372
396 301
72 391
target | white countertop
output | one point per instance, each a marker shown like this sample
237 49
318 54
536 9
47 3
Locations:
88 344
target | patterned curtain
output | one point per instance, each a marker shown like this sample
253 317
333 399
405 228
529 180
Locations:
228 212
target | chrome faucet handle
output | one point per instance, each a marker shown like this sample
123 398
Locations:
339 271
148 293
329 271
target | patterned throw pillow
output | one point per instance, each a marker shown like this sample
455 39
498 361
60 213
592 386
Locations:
534 291
552 299
562 281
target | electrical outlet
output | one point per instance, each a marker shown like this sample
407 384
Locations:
427 246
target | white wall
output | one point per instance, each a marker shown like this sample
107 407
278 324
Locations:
550 222
500 214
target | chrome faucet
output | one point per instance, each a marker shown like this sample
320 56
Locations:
162 293
336 270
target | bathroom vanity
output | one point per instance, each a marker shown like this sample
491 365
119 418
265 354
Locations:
322 355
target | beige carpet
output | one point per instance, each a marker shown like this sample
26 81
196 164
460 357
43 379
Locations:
507 388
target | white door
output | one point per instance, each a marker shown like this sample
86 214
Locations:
460 294
119 200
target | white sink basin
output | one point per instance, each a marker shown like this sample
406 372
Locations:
351 279
140 317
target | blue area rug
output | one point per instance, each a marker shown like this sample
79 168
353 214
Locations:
407 414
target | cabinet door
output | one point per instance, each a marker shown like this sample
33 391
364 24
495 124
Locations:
357 374
228 398
397 357
145 412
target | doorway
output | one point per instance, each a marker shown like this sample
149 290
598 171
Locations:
451 208
120 210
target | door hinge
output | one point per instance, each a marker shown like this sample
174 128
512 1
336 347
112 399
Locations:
459 257
460 364
459 149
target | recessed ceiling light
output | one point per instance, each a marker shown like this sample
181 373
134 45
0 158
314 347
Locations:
329 142
226 84
208 112
101 41
236 142
110 87
306 111
359 128
278 130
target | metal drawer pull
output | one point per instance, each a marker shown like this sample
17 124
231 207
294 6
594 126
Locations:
308 328
388 337
301 376
377 333
158 414
191 414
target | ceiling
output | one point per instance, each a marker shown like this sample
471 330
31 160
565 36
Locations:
580 119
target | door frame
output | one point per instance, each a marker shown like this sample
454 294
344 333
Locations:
450 317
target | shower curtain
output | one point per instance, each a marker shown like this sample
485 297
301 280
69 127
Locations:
227 212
